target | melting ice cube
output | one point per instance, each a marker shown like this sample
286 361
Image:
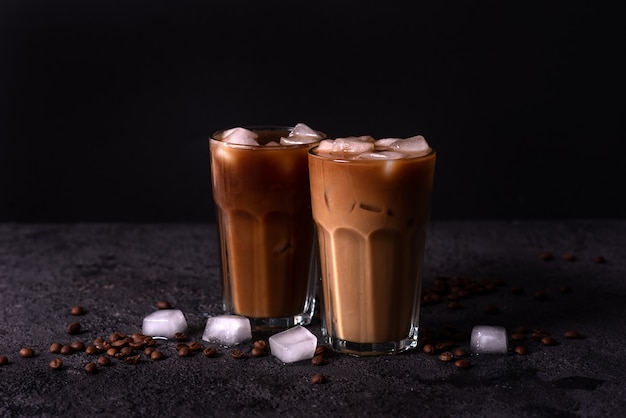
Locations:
227 330
301 134
294 344
241 136
487 339
164 323
381 155
414 144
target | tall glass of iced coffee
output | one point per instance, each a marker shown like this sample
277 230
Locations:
268 259
371 204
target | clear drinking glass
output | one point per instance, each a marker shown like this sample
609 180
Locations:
266 233
371 217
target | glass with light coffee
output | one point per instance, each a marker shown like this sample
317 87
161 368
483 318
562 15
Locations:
371 203
267 240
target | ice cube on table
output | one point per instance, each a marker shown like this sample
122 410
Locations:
240 136
293 344
227 330
164 323
489 339
301 134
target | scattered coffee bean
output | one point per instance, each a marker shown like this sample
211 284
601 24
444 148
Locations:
260 344
446 356
546 256
538 335
238 354
460 352
517 290
257 352
569 257
119 343
126 351
26 352
321 350
429 349
132 359
195 346
181 336
521 350
184 351
209 352
73 328
4 360
91 368
56 363
55 348
463 363
317 360
78 345
92 350
67 350
599 259
518 336
571 334
157 355
104 361
318 378
77 310
112 351
163 304
548 341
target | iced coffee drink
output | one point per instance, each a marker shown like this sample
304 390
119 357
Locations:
371 203
260 184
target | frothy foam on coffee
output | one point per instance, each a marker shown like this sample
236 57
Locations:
368 148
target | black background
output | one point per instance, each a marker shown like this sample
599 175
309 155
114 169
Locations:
106 106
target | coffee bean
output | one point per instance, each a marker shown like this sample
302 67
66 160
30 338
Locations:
184 351
180 336
56 363
569 257
460 352
517 336
26 352
517 290
599 259
78 345
318 378
133 359
163 304
463 363
521 350
66 350
73 328
261 344
195 346
112 351
119 343
104 361
321 350
4 360
157 355
77 310
126 351
238 354
92 350
548 341
55 348
446 356
257 352
91 368
317 360
571 334
209 352
429 349
546 256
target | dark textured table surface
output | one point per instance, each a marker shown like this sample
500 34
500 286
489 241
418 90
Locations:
117 272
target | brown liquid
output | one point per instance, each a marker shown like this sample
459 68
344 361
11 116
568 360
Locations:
371 220
265 226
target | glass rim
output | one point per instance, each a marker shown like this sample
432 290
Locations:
341 160
256 128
